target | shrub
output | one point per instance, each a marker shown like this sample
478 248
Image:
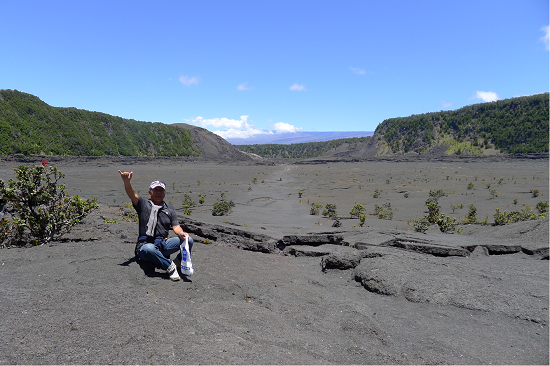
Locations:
470 185
515 216
315 208
437 194
494 192
535 192
362 218
471 217
357 210
330 210
6 232
383 212
41 208
431 200
542 206
433 213
376 193
222 208
447 224
187 202
457 207
421 224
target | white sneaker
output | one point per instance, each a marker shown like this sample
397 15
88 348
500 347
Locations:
173 272
186 265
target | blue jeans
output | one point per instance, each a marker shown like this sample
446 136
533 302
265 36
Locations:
159 252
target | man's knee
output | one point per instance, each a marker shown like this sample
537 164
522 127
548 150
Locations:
146 249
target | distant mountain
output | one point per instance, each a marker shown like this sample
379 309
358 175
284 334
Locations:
296 137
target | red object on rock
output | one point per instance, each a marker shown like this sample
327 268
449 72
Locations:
44 163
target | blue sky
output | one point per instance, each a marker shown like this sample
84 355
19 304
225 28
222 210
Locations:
240 68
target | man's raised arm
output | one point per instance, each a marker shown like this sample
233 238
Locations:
130 191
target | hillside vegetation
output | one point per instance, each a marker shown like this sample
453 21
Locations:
29 126
512 126
299 150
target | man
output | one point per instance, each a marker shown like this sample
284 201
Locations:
156 218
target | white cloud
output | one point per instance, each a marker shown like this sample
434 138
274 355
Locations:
221 122
281 127
297 87
487 96
189 80
239 128
446 104
244 86
545 39
357 70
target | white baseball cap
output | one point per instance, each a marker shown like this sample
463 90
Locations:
157 183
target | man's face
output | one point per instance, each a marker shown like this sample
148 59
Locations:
157 195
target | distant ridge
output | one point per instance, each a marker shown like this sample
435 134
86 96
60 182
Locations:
297 137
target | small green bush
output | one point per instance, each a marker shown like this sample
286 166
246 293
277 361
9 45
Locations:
542 206
42 210
502 218
315 208
535 192
471 217
357 210
447 224
433 213
470 185
362 218
457 207
384 212
421 224
221 208
437 194
431 200
330 210
187 202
